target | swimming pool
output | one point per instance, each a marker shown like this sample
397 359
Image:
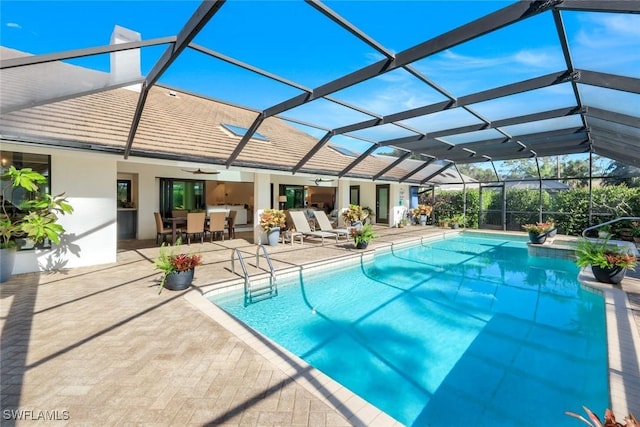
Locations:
468 330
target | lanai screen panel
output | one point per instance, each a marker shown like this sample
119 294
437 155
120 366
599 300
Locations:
506 88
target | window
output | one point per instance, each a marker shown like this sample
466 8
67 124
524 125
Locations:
240 131
12 198
38 162
354 195
124 193
343 150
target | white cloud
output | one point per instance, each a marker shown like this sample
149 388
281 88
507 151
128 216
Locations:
452 60
14 25
603 31
620 25
533 58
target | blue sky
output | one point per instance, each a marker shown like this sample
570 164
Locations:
292 40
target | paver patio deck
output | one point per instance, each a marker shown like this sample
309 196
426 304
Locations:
99 346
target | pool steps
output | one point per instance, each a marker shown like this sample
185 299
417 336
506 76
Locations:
255 293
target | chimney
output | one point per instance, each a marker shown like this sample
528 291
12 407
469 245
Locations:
125 65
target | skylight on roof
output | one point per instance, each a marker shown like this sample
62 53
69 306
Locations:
240 131
343 150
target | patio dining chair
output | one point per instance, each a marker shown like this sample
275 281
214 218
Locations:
301 225
216 224
231 223
160 228
195 225
325 225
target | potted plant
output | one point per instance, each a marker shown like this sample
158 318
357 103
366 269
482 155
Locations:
362 236
35 219
422 212
456 221
354 215
609 419
177 268
538 231
271 221
609 263
444 222
553 230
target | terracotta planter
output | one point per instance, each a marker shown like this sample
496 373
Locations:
179 280
537 239
608 275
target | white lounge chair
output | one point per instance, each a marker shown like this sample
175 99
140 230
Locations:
302 226
325 225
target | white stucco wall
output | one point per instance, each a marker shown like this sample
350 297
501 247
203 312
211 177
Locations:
89 182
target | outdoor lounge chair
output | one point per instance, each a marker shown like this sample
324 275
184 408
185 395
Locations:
325 225
301 225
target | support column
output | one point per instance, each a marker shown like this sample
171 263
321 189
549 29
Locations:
261 201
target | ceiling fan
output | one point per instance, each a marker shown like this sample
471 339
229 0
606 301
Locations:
201 172
319 180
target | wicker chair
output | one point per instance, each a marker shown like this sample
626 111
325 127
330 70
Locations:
195 225
216 224
160 228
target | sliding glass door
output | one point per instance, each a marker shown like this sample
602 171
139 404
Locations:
295 196
181 194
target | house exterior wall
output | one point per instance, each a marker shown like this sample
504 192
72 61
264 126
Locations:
89 182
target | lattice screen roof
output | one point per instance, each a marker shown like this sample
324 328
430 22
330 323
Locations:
572 102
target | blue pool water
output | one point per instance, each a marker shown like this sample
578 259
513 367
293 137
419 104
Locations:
462 331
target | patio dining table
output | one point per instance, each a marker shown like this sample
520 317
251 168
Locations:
182 220
174 226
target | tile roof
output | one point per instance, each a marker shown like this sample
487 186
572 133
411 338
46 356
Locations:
178 125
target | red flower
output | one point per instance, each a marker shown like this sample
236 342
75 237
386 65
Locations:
184 262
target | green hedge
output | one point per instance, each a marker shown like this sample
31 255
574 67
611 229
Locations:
572 206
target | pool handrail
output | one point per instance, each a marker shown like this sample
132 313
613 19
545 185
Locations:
622 218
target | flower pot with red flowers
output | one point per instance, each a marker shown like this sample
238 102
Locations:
609 263
178 268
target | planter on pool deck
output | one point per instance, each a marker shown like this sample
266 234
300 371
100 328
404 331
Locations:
179 280
536 238
273 236
609 275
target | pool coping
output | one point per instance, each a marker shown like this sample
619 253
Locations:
622 344
355 409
